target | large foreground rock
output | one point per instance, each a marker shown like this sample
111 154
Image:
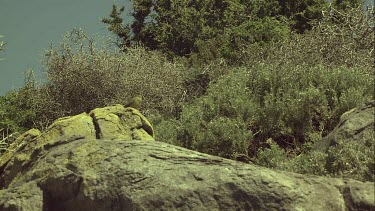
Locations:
104 161
134 175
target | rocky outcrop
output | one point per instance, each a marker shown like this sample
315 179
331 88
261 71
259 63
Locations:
111 123
356 125
95 166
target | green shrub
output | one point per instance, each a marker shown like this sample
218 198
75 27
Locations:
216 123
292 105
166 128
18 111
257 32
340 38
81 76
347 4
18 106
297 101
181 24
350 159
308 163
201 72
276 157
228 45
273 157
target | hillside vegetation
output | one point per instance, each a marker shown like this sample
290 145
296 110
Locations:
256 82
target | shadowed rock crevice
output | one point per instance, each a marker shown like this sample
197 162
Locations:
119 123
96 126
355 199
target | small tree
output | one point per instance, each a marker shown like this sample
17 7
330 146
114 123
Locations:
181 28
347 4
174 27
2 44
302 12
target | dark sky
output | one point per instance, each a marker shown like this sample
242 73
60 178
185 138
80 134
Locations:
30 25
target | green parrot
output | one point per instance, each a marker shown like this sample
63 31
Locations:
135 102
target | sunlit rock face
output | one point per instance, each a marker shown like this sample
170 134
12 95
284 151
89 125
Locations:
108 160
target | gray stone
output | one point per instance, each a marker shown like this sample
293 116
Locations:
134 175
112 122
357 125
26 197
83 171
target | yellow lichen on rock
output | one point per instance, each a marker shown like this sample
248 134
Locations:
119 123
110 123
72 127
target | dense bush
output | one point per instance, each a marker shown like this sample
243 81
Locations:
248 86
299 100
216 122
230 43
291 105
274 156
344 5
175 26
179 27
350 159
18 111
301 13
80 77
338 39
166 129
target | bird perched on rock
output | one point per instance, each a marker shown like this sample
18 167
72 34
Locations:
135 102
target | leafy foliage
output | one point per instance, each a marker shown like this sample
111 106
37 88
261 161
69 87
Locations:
216 123
338 39
347 4
301 13
91 78
230 45
291 105
2 44
179 27
351 159
17 111
245 85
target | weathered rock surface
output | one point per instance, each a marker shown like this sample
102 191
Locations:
133 175
25 197
356 124
111 123
74 168
117 122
